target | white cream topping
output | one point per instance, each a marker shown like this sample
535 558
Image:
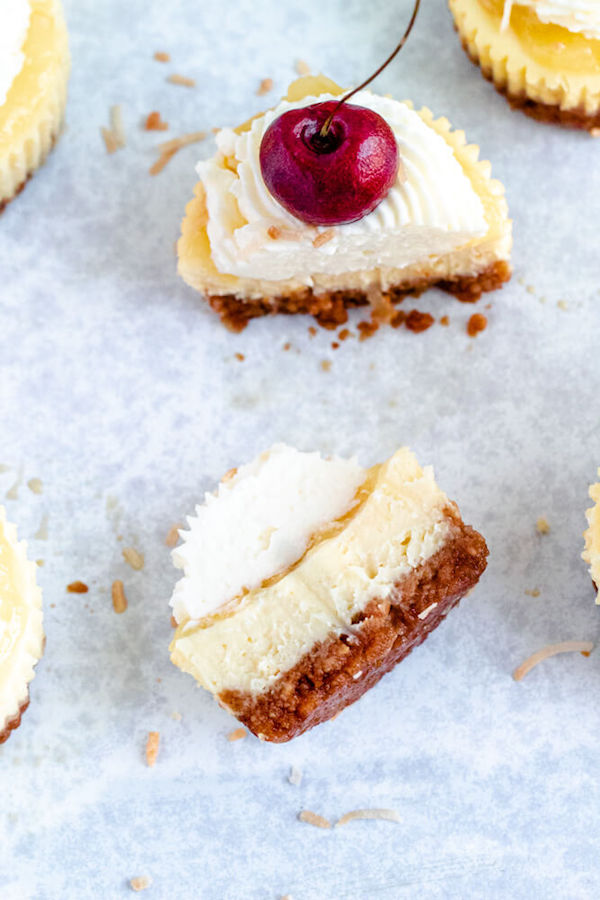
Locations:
14 23
257 524
579 16
428 213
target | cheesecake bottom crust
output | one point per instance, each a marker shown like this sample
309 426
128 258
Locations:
550 113
341 669
11 724
331 309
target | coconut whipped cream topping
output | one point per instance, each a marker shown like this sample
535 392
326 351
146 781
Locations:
579 16
14 23
257 524
431 210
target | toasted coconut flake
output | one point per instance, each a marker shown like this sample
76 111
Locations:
35 485
173 534
533 592
140 883
326 365
192 137
77 587
312 818
161 56
133 557
174 622
551 650
181 80
117 126
302 67
387 815
119 600
110 141
542 525
323 238
152 747
161 162
42 532
237 735
295 776
265 86
154 122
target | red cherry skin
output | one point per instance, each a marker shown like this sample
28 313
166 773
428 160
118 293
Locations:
333 180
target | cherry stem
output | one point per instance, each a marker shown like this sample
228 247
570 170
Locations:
327 124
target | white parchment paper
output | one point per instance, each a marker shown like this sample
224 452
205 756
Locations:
122 392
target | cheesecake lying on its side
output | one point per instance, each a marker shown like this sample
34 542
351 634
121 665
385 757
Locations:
306 579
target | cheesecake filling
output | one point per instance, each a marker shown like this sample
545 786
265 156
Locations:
431 210
21 635
401 522
578 16
257 524
591 554
14 23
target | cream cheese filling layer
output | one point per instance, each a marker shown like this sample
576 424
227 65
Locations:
430 211
578 16
591 554
402 522
14 23
21 633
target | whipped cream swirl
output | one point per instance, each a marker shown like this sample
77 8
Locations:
14 24
578 16
431 210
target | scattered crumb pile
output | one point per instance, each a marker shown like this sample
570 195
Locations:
584 647
152 747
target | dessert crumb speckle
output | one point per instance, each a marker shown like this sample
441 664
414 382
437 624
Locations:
240 357
312 330
119 600
173 534
386 815
302 67
334 345
344 334
287 345
312 818
42 532
35 485
445 321
173 622
326 365
181 80
562 304
542 525
77 587
238 734
323 238
140 883
39 562
534 592
13 492
366 330
133 558
295 776
476 324
161 56
154 122
419 321
176 716
152 745
530 289
264 87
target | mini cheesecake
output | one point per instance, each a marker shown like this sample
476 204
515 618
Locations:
444 222
34 70
21 632
544 55
306 579
591 554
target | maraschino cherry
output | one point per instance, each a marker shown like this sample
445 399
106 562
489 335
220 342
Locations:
333 162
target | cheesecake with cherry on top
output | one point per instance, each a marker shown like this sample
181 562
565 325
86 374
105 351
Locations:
544 55
21 631
305 579
591 554
253 247
34 70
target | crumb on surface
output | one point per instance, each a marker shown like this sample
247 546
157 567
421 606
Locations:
344 334
173 534
476 324
542 525
366 330
161 162
240 356
312 330
530 289
161 56
77 587
323 238
110 141
386 815
119 600
398 319
334 345
562 304
133 558
302 67
229 474
155 122
417 321
174 622
548 651
445 321
325 365
534 592
287 345
264 87
152 745
140 883
238 734
295 776
116 124
42 532
312 818
35 485
176 716
181 80
39 562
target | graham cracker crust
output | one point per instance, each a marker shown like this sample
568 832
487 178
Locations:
549 113
341 669
331 309
12 724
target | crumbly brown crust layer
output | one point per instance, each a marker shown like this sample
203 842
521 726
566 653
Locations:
549 113
341 669
331 309
11 724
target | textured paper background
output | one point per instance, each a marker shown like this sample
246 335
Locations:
123 394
